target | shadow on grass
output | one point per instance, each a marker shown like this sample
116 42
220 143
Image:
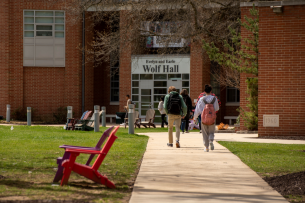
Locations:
89 190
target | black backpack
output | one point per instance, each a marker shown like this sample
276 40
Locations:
174 104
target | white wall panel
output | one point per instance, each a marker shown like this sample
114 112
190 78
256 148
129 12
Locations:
44 52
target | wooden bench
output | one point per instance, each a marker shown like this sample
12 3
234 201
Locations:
230 118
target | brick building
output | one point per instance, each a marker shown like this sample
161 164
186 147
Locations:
41 67
281 77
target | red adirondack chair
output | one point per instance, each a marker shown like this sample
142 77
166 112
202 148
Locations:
66 155
89 172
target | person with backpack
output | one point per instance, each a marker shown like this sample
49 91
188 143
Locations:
174 107
162 112
188 101
207 107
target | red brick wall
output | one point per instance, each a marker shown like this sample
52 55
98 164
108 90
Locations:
89 66
28 86
200 70
44 90
282 70
125 61
244 76
4 56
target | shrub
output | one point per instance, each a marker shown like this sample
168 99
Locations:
60 115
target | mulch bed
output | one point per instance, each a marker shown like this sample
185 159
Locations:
283 137
290 184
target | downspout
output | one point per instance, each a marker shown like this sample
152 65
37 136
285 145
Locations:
83 65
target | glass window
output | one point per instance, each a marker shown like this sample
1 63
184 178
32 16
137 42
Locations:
135 90
29 27
232 94
59 34
185 83
157 97
114 95
160 77
145 91
44 13
157 119
114 84
156 105
43 20
59 20
145 99
29 34
29 13
146 76
135 98
185 76
29 20
135 83
173 76
59 27
59 13
41 23
135 76
160 91
43 27
160 83
43 33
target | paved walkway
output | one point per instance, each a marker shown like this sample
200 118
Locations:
190 175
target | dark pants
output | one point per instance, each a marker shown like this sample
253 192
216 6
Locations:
199 121
185 122
163 120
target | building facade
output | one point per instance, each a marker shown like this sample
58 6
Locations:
41 66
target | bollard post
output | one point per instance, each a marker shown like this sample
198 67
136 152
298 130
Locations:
96 118
131 115
29 116
69 112
103 116
8 113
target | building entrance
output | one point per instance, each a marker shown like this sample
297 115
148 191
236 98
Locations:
149 87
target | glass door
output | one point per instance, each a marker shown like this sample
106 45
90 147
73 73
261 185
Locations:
146 97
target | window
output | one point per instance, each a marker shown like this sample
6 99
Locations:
165 29
232 95
44 38
114 93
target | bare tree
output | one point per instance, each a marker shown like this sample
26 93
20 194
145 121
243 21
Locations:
155 26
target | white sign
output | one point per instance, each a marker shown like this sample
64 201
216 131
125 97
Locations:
160 64
271 121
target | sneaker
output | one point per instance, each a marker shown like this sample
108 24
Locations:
122 124
206 149
200 131
212 145
187 132
182 132
169 145
177 144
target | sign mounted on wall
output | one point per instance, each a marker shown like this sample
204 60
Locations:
149 64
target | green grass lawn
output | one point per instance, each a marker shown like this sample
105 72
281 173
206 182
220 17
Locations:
28 162
269 159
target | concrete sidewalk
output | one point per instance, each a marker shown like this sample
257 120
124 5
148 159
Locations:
191 175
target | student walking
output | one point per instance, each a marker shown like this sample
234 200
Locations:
188 102
162 112
207 107
175 108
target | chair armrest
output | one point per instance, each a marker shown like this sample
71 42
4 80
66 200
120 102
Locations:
78 147
83 151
